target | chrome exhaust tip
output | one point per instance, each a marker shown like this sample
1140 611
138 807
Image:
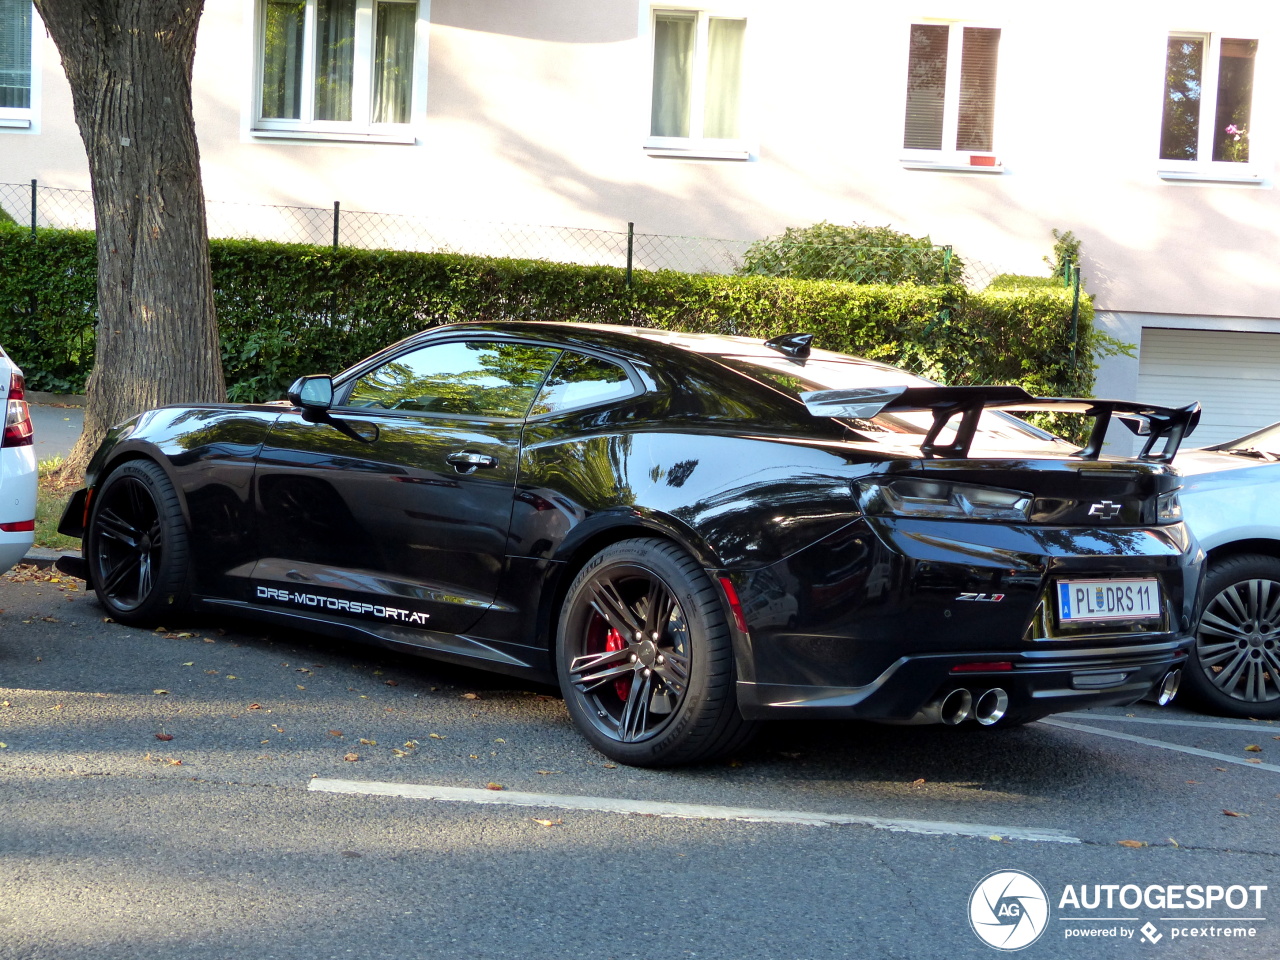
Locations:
992 705
1168 688
955 707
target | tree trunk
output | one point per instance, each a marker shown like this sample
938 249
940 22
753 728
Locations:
129 66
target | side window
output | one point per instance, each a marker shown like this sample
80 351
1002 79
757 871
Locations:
698 95
336 66
577 381
464 377
951 88
1208 98
15 63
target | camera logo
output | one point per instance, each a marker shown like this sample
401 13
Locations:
1008 910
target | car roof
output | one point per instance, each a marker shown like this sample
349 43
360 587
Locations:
635 339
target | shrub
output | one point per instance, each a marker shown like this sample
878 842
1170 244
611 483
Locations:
855 254
288 310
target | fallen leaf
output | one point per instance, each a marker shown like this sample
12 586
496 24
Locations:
300 686
1253 748
1232 813
1194 781
4 746
1252 761
436 736
212 673
1221 769
916 783
396 751
547 823
175 763
611 766
547 773
494 786
995 836
392 683
255 706
335 733
189 663
277 728
471 696
499 740
164 736
1131 843
160 693
352 757
369 743
232 676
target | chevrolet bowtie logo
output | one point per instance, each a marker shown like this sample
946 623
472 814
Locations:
1106 510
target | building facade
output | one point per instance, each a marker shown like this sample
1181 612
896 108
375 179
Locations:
1148 130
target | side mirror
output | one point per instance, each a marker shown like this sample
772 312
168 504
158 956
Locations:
312 393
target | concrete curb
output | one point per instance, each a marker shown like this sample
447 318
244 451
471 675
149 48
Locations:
45 558
55 399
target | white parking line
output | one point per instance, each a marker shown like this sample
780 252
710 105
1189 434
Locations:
1173 721
690 811
1146 741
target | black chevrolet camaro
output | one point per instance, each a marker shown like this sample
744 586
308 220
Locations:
690 533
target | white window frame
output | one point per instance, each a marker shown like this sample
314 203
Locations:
25 119
949 158
1204 167
696 146
360 127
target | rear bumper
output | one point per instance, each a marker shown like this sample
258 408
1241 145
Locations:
1037 683
879 621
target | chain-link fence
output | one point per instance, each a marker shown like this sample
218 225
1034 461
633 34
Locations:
30 204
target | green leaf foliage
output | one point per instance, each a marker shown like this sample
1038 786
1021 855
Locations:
855 254
287 310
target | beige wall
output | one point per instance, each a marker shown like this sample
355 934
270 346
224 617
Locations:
536 111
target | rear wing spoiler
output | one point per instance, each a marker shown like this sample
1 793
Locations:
1163 427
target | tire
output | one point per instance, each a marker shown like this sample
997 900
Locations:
137 545
645 658
1234 667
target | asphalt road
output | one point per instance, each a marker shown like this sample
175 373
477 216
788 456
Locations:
57 427
211 790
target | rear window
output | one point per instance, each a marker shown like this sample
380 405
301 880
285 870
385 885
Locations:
996 429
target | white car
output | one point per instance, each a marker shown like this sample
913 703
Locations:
1231 501
17 468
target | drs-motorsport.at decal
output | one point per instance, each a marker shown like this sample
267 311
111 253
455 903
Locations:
359 608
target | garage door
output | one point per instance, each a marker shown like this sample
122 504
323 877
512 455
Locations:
1235 376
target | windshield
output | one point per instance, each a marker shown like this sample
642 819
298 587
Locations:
996 429
1263 444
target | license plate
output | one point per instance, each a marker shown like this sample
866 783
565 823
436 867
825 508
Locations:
1108 600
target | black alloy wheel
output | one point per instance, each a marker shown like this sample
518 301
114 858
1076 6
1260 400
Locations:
136 544
1234 668
645 658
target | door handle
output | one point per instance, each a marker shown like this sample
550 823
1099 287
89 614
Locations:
467 461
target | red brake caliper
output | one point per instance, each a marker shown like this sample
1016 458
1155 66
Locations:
613 642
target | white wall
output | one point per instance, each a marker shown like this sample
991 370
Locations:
535 112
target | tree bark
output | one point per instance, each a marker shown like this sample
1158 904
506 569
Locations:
129 66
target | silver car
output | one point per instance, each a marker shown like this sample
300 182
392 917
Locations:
1231 501
17 468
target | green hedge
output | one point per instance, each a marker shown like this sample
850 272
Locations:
286 310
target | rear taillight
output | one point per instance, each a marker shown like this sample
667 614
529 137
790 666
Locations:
17 418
